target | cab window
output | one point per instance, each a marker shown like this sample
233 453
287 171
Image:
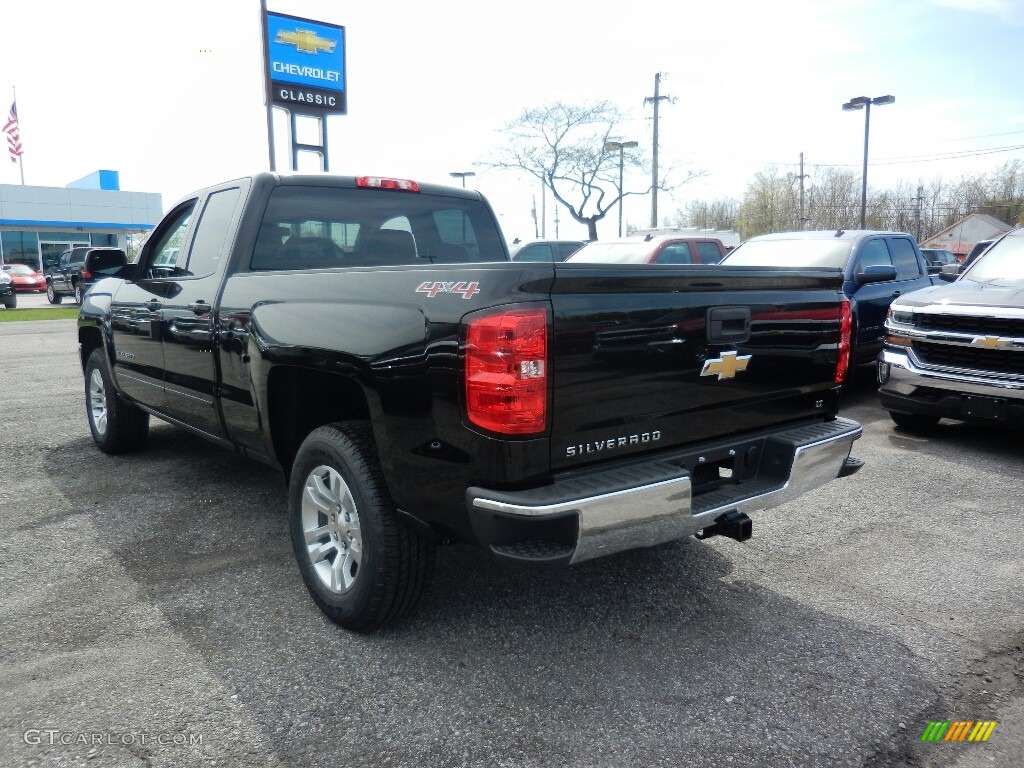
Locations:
163 253
873 254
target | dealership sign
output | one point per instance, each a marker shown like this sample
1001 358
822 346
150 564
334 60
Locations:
305 64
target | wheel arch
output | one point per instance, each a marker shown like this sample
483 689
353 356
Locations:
89 338
300 400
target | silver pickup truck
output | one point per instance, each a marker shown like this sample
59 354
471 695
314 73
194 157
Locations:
957 350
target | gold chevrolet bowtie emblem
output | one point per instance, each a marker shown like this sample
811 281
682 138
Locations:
990 342
726 366
306 41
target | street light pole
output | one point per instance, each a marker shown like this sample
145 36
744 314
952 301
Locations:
611 146
462 175
865 102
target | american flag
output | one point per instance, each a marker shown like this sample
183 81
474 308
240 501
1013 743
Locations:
13 135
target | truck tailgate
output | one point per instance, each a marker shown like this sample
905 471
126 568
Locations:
651 357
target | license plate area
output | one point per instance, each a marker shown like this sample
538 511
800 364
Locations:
981 407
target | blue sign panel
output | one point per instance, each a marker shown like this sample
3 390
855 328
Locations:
306 64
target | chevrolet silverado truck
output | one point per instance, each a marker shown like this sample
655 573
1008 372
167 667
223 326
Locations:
370 338
957 350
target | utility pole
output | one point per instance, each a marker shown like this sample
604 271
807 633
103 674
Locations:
918 200
802 176
543 210
656 99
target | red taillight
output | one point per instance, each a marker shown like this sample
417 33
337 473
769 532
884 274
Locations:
507 371
376 182
845 328
86 274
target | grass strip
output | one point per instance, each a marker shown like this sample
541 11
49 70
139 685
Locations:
38 313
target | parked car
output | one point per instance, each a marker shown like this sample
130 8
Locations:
24 279
877 267
7 295
937 258
954 351
547 250
651 249
77 269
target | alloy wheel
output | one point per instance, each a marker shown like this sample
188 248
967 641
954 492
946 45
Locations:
98 402
330 524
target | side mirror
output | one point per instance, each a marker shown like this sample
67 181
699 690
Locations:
129 272
875 273
950 272
933 269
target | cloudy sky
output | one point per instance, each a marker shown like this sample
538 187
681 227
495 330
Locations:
171 94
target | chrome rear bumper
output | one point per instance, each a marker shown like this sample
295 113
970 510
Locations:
645 504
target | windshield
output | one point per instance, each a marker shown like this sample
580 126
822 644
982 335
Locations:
790 253
1002 265
18 269
613 253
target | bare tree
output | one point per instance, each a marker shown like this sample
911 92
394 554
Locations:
770 204
721 213
564 147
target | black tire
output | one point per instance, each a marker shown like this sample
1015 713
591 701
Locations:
11 302
117 426
363 541
914 421
51 295
78 293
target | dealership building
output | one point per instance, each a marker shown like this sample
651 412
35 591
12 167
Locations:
37 224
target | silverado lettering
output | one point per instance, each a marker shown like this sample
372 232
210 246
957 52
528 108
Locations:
562 416
612 443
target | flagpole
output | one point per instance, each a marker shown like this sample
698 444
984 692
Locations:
21 167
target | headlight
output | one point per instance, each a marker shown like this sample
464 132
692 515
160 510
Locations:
901 316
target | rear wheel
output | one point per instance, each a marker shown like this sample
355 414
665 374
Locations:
914 421
51 295
11 302
362 564
116 425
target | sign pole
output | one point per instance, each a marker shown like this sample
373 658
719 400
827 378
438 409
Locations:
267 96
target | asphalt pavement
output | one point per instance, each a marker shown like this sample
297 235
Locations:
152 615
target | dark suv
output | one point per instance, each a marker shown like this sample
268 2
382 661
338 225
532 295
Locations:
76 270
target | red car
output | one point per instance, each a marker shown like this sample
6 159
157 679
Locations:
24 279
651 249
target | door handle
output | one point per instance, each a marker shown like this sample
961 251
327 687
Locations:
200 307
152 305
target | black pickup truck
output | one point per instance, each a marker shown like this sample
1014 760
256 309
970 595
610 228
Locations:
370 338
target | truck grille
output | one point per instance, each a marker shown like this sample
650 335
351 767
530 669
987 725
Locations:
985 326
974 358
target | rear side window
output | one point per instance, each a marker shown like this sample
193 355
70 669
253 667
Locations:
675 253
325 227
210 244
565 250
709 253
904 259
538 252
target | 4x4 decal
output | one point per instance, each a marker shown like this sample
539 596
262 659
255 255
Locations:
432 288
